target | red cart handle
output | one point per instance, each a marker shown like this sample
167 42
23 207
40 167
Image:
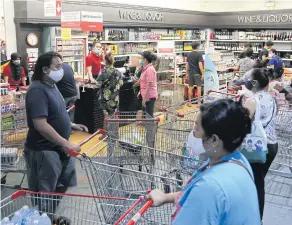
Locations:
74 153
71 108
140 213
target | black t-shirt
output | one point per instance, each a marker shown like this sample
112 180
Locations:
43 100
193 59
67 85
264 52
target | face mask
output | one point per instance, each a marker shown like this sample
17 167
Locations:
97 51
141 62
270 55
195 145
16 62
56 75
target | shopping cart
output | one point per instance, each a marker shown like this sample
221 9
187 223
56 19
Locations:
85 209
168 94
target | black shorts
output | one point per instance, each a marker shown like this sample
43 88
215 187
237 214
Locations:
195 79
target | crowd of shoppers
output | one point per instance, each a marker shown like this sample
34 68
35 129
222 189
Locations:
213 195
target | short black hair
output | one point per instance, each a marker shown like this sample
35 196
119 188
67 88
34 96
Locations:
227 119
42 61
149 56
249 52
261 64
274 51
269 43
195 45
247 45
261 76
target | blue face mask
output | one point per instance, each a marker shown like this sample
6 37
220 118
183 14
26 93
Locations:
141 62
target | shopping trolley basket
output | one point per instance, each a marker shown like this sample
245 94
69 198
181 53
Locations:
168 94
131 127
12 143
82 209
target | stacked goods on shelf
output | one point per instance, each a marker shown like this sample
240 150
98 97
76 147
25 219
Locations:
73 52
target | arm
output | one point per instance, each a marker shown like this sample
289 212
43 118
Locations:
187 69
5 79
137 84
202 204
250 104
48 132
89 68
6 73
201 69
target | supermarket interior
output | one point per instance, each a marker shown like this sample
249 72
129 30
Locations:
122 143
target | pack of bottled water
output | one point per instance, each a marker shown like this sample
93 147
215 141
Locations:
27 216
9 156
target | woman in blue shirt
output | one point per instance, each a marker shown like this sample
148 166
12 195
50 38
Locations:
222 191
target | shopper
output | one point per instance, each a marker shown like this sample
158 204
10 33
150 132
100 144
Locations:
138 63
276 63
3 51
195 71
221 191
264 54
247 63
93 62
112 81
243 54
148 82
49 168
67 87
258 84
13 73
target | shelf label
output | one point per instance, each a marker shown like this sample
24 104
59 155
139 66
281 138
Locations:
50 8
165 47
66 34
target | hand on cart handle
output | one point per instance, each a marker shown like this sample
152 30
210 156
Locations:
74 153
79 127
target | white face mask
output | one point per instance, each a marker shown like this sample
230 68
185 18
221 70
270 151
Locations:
197 148
97 51
16 62
56 75
270 55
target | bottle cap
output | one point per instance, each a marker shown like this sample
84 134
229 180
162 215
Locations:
44 215
25 207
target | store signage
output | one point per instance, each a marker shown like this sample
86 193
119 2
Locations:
58 8
86 21
140 15
52 8
66 34
211 79
71 20
279 18
92 21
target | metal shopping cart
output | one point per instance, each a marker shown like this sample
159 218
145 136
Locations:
168 94
84 209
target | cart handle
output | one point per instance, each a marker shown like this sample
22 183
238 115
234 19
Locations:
71 108
235 88
21 193
140 213
157 119
74 153
220 92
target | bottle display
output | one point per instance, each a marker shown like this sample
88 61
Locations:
236 46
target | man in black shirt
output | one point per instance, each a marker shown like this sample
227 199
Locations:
264 54
67 87
195 71
49 168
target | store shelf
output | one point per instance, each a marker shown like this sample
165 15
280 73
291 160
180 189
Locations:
145 41
286 59
282 50
216 40
166 71
75 60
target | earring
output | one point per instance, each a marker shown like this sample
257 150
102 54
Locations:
214 148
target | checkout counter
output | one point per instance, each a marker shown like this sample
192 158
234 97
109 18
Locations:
87 110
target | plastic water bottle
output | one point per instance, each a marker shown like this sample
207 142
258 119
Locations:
30 216
18 215
6 221
43 220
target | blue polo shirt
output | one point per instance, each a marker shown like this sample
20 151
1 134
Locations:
224 194
276 61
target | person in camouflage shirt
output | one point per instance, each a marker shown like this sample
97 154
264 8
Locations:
112 81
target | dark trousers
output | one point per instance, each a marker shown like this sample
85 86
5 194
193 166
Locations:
150 106
260 171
